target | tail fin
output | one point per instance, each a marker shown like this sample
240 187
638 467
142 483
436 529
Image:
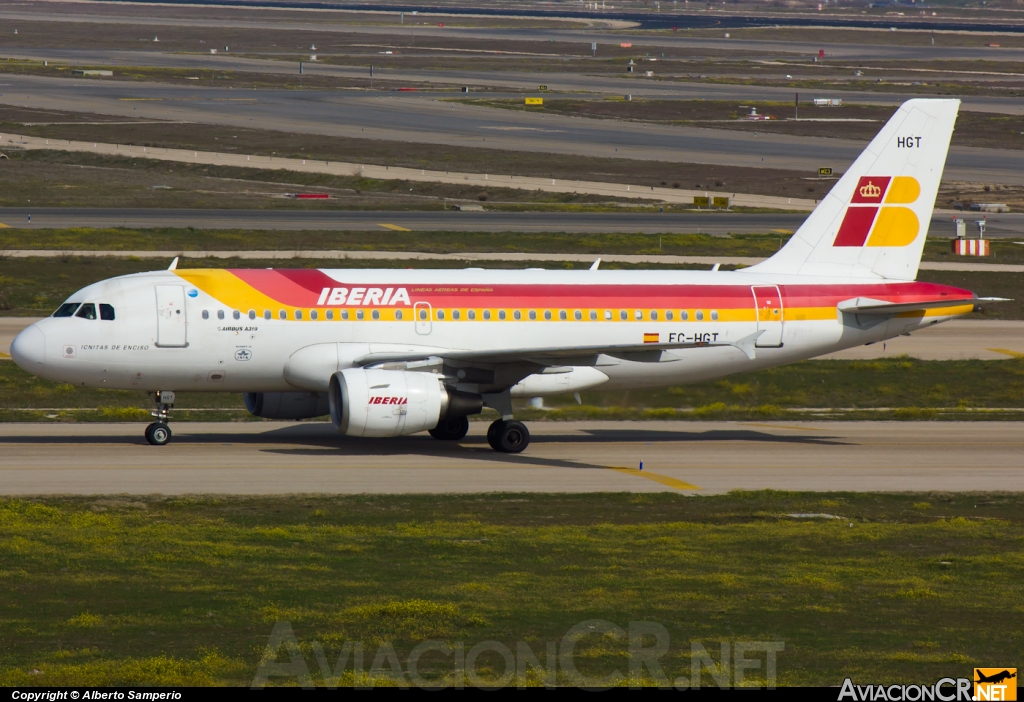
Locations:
874 222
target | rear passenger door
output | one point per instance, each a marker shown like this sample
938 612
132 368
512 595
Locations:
171 325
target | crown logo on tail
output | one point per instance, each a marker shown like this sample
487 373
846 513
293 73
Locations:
870 190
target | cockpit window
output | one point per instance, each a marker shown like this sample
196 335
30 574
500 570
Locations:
87 311
107 312
67 309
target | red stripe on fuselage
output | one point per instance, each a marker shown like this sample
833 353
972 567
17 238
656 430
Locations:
302 288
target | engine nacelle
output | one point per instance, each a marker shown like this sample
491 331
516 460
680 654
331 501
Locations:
287 405
375 402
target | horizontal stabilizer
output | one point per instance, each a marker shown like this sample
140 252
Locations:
870 306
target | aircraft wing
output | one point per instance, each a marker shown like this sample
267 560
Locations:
870 306
559 355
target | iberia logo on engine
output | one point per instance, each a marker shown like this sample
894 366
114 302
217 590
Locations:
380 400
873 217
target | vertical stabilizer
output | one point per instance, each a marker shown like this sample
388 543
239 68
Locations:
874 222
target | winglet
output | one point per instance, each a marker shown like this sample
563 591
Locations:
174 264
596 264
747 343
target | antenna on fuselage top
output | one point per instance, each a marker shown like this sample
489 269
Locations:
596 264
174 264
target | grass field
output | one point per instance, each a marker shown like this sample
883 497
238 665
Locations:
897 588
668 243
69 179
897 388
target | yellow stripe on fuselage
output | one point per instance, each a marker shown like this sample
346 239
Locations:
235 293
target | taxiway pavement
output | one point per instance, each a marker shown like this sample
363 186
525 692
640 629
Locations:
696 457
421 118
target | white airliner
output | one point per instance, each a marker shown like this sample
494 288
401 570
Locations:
393 352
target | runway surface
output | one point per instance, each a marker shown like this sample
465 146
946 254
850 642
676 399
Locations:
999 225
422 118
699 457
581 84
336 23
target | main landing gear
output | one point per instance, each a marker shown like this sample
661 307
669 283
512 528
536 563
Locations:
159 433
508 436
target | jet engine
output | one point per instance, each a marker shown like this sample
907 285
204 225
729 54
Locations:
375 402
287 405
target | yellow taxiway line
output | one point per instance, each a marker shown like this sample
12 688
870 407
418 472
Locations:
394 227
656 477
1008 352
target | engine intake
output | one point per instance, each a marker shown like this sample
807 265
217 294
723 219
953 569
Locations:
287 405
376 402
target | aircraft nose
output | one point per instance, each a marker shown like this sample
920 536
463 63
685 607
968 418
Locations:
28 348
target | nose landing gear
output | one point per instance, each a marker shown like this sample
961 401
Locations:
159 433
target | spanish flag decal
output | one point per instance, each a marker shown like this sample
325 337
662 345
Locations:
652 338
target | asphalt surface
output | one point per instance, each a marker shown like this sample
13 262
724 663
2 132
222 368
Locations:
422 118
658 19
697 457
1005 225
598 85
398 35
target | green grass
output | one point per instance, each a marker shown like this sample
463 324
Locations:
899 388
47 178
668 243
902 587
894 388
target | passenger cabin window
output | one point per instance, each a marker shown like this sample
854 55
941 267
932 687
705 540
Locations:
220 314
106 312
87 311
206 314
66 310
